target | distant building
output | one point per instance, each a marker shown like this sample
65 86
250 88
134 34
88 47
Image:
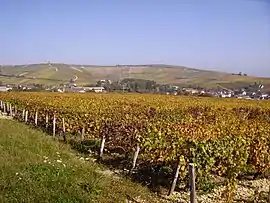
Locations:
264 96
86 89
226 95
3 89
191 90
95 89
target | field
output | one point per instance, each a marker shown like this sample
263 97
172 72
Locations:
225 138
163 74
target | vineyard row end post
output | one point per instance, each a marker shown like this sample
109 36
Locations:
54 125
64 130
175 179
36 118
192 189
23 114
47 121
82 134
26 116
4 108
136 154
102 146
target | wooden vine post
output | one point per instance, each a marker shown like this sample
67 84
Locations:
15 111
26 116
7 106
136 154
1 104
54 124
64 130
102 146
10 110
83 133
269 195
36 118
47 121
175 179
4 108
191 170
23 114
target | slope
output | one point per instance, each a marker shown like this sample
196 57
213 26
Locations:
86 74
35 168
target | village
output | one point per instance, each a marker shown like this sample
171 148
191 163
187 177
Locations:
252 92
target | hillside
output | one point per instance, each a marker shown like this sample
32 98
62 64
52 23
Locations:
35 168
86 74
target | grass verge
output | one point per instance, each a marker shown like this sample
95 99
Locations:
35 168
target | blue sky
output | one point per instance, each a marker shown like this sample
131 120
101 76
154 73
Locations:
225 35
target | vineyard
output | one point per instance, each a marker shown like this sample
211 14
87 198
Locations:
227 138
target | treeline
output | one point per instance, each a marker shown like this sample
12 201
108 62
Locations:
136 85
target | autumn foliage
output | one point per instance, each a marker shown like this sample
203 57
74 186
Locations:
222 137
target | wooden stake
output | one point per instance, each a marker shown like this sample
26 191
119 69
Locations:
102 146
175 179
54 124
64 130
10 110
7 106
5 110
269 195
83 133
47 121
136 154
1 104
23 114
192 183
15 111
26 116
36 118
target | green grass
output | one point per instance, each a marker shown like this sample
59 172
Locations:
36 168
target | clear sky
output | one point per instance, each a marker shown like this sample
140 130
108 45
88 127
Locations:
225 35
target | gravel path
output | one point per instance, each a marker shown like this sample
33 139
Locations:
4 116
246 191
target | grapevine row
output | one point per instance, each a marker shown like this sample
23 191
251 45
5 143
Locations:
222 137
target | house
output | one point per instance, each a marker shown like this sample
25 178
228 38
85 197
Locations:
87 89
95 89
3 89
191 90
244 93
264 96
226 95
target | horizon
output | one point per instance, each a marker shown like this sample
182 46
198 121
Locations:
228 37
131 65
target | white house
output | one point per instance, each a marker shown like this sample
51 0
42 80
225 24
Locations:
244 93
229 95
95 89
85 89
264 96
3 89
